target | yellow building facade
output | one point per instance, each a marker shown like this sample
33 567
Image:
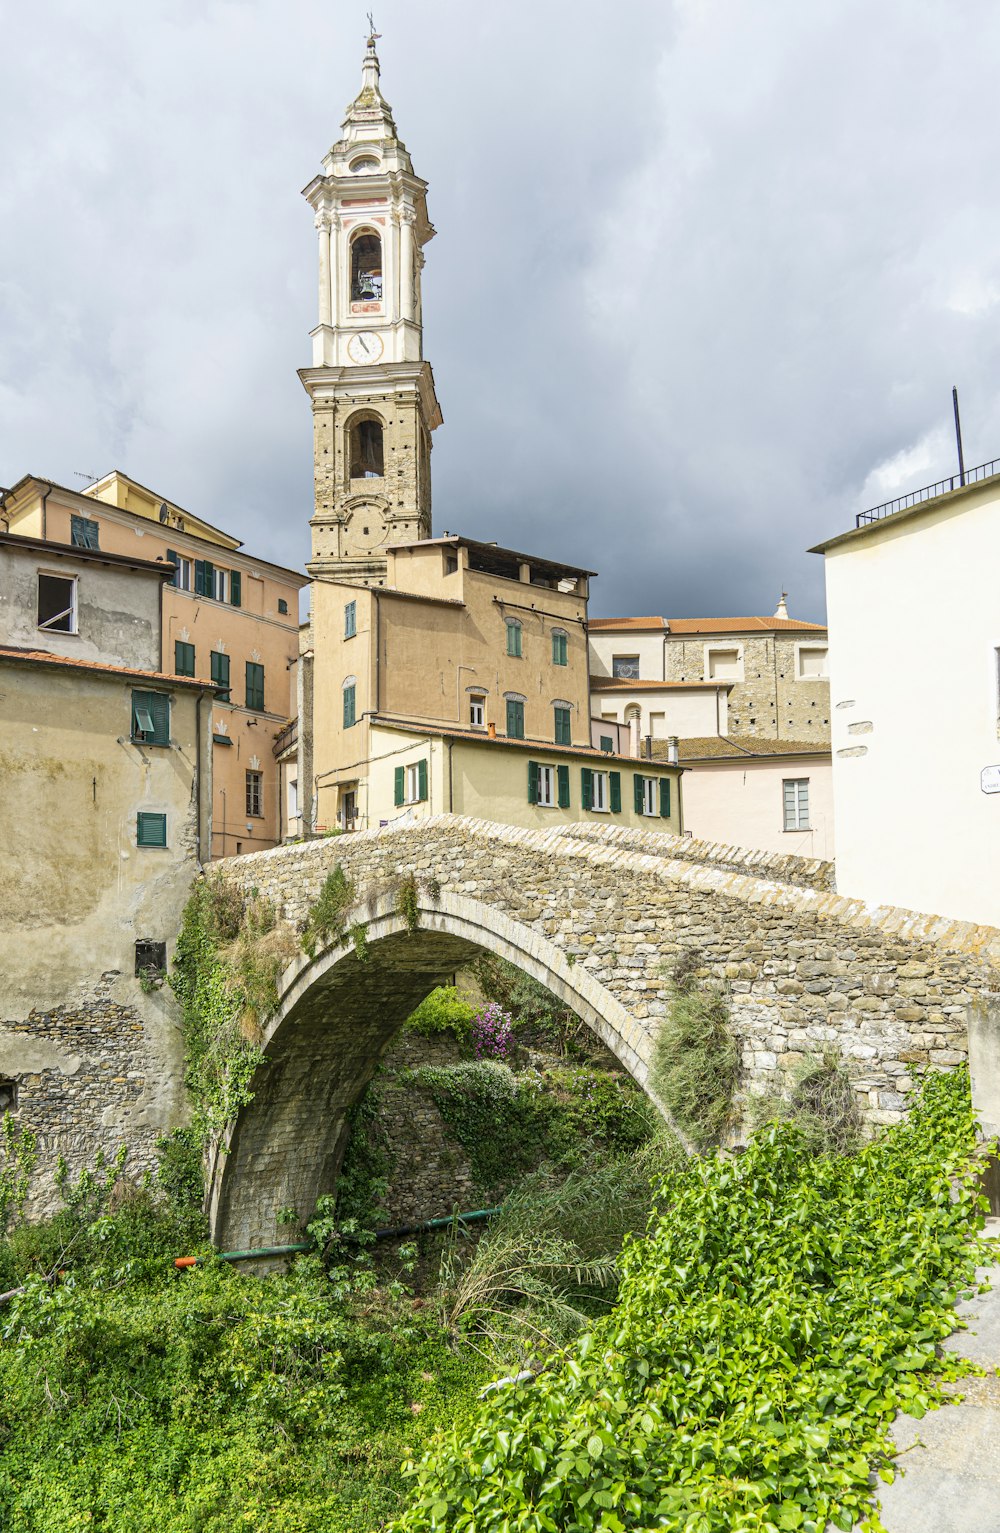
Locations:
225 616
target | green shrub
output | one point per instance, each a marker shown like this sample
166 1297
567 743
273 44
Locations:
445 1010
821 1101
782 1308
696 1062
325 921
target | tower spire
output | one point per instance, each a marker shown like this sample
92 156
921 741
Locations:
369 115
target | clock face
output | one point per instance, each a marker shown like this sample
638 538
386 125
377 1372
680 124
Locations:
364 347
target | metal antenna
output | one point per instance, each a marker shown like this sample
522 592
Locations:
958 437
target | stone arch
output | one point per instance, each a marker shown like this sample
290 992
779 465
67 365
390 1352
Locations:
337 1015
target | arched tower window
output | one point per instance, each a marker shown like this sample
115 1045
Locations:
366 268
367 454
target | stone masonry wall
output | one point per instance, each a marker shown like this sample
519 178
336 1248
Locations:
770 701
806 872
807 970
84 1073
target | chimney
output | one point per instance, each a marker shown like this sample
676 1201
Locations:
781 610
649 747
491 730
672 756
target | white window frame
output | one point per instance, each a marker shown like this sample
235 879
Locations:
293 798
649 790
185 571
804 649
727 649
412 794
600 792
72 609
220 583
801 803
548 787
477 710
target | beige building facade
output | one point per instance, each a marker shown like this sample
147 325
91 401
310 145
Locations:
105 818
225 618
773 670
768 796
923 737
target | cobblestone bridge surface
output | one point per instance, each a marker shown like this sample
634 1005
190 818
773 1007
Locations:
601 918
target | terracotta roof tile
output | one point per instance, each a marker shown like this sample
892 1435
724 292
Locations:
682 625
653 624
42 657
733 747
480 737
636 684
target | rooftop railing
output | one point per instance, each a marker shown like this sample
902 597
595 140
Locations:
928 492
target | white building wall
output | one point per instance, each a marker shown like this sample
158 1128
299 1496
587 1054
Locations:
688 713
649 647
741 803
914 615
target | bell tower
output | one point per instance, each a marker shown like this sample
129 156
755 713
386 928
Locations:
373 400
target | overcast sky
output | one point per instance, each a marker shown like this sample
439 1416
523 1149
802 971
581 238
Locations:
705 271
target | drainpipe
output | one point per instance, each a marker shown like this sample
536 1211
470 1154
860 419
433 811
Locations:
197 775
45 512
451 785
378 652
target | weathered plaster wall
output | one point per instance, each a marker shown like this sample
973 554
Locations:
96 1062
118 609
601 926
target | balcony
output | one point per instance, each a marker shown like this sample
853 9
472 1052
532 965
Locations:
928 492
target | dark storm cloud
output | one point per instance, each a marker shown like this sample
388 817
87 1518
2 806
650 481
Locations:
705 272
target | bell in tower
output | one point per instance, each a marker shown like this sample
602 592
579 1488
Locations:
373 400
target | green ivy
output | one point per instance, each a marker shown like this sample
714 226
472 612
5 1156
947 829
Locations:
510 1124
696 1060
445 1010
325 921
774 1320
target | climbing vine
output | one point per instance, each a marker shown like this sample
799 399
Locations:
696 1061
230 955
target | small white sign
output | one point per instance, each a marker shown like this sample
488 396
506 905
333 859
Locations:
989 779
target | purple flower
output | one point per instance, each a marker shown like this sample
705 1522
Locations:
493 1032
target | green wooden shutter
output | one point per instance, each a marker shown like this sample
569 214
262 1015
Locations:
255 686
209 579
200 588
422 780
559 655
235 588
562 776
564 727
515 719
150 829
220 673
532 782
151 718
399 785
183 658
174 558
350 620
665 798
587 787
608 744
349 707
616 792
637 785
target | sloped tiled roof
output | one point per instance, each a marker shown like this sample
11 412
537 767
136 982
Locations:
42 657
685 625
651 624
636 684
730 747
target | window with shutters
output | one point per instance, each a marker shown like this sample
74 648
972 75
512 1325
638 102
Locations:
560 647
255 686
350 620
515 718
218 584
416 782
477 711
350 706
513 639
235 588
183 658
150 718
220 675
56 603
608 744
150 829
282 606
564 726
796 803
600 798
255 794
547 787
649 805
84 533
182 570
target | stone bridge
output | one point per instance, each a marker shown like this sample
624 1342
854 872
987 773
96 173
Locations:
600 916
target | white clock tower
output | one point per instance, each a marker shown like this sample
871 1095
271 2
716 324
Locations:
373 400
